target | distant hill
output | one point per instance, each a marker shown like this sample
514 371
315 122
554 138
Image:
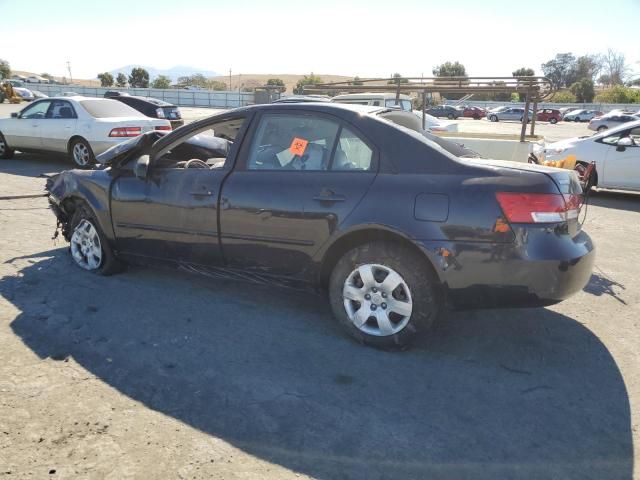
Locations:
253 80
173 73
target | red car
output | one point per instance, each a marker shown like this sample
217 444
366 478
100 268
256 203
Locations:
474 112
550 115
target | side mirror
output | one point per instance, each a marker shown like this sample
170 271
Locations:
14 114
623 143
141 168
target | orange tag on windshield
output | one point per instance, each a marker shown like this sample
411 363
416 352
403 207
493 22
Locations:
298 146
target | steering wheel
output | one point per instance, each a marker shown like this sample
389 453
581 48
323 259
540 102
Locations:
196 163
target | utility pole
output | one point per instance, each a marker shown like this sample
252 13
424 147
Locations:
229 79
69 68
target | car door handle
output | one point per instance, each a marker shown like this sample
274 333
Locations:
327 195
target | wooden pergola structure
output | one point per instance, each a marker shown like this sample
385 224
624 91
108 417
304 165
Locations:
535 89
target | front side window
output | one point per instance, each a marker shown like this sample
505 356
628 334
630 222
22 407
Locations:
37 110
292 142
205 149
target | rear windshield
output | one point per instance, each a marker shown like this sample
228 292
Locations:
109 108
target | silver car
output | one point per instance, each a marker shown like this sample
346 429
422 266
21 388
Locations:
581 115
611 120
511 113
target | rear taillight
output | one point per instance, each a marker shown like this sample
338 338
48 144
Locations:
125 132
164 127
539 207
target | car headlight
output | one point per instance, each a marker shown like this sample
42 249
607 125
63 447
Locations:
160 113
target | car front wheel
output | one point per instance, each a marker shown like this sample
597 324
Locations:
493 118
553 121
602 128
89 247
383 295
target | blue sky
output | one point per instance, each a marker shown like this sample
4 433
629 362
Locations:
365 38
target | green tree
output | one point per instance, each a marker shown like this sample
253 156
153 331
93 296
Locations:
563 96
161 81
277 82
523 72
583 90
307 80
217 85
560 69
139 78
619 94
121 80
396 79
586 66
450 69
357 81
5 69
106 79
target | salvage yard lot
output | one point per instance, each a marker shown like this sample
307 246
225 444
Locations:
161 374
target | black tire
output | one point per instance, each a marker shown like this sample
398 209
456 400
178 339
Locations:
577 119
451 116
5 152
81 143
493 118
602 128
109 264
553 121
420 281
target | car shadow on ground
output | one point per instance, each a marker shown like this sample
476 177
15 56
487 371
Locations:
35 165
489 395
629 201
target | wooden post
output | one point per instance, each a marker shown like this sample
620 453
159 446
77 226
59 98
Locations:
525 118
535 114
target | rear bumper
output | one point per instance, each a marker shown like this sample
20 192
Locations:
541 268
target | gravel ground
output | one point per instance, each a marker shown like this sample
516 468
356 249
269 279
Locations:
162 374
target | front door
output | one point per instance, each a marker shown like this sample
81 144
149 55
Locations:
299 176
26 129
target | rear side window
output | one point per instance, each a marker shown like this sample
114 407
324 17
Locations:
292 142
352 153
109 108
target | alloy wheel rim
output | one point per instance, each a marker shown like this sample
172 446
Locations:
377 300
81 154
86 249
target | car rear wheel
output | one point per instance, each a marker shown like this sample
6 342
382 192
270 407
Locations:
450 116
577 119
553 121
81 153
493 118
5 151
602 128
382 296
89 247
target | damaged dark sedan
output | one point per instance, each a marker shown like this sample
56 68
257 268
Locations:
394 226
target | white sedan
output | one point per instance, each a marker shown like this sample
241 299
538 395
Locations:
81 127
616 153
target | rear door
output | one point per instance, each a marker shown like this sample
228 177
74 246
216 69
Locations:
622 164
59 125
299 176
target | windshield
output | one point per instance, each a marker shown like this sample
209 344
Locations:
109 108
